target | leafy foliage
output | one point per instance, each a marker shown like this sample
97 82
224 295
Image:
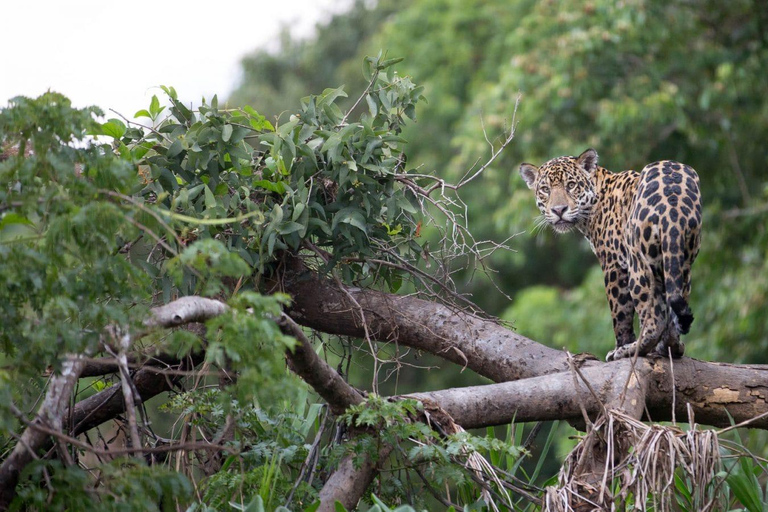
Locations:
200 201
210 200
59 264
450 460
123 484
639 81
317 182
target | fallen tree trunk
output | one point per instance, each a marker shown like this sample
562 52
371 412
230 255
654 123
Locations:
535 382
712 390
467 340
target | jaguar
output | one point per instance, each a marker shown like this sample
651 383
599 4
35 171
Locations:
645 229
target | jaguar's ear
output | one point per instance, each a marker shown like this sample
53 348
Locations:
588 160
528 172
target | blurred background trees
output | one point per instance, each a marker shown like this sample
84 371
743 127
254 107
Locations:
638 80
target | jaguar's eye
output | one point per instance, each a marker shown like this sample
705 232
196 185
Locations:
570 185
544 189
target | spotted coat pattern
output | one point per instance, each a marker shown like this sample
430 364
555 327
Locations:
644 228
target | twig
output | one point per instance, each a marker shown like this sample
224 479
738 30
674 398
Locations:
156 237
496 153
743 423
576 371
368 339
117 451
372 81
124 342
674 384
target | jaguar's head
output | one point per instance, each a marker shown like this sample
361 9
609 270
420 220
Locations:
564 188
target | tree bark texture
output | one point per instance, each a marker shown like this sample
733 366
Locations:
350 481
712 390
51 414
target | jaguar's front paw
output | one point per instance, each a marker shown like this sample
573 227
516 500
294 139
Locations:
622 352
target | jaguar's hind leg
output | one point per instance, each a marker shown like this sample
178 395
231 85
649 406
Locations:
670 342
648 296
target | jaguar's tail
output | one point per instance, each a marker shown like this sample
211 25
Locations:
676 280
683 313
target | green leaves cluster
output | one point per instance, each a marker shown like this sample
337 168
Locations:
247 340
60 282
83 253
93 232
320 181
420 447
123 484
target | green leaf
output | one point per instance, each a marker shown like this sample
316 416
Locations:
257 121
745 486
170 91
175 149
389 62
330 95
14 218
154 107
297 211
289 227
351 216
114 128
277 187
221 189
373 108
210 199
226 132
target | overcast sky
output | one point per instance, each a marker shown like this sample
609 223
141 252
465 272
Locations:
114 54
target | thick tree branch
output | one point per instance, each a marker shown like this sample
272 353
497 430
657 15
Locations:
544 398
712 390
350 480
467 340
185 310
305 362
108 404
51 414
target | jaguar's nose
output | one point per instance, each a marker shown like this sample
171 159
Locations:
559 210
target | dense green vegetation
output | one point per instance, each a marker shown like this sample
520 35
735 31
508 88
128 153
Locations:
210 201
638 81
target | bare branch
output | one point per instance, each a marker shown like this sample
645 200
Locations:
124 343
496 153
305 362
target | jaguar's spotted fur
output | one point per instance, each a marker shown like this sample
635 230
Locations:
645 229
